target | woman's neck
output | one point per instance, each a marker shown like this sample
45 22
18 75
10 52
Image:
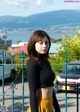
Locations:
41 56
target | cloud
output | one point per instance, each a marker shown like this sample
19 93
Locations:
40 2
26 3
18 3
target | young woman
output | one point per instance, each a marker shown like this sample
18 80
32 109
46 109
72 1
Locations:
40 75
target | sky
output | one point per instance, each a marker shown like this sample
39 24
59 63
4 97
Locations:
30 7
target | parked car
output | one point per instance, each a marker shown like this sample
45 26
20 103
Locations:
69 80
9 68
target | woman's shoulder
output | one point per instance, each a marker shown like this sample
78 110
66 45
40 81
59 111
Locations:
32 62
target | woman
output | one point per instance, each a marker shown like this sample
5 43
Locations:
40 75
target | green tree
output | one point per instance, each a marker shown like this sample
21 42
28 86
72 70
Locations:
70 46
19 41
55 40
70 49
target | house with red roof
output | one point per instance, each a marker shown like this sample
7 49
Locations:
16 48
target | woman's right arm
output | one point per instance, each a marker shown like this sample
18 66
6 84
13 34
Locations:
32 72
55 103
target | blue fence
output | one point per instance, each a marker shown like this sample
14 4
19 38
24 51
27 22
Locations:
13 87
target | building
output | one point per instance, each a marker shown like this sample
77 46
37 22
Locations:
16 48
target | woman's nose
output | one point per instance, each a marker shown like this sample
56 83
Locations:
44 45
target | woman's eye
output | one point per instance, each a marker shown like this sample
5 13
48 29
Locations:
40 42
46 43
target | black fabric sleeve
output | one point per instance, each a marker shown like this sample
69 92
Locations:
55 103
32 72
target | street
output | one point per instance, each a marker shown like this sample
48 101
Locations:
71 100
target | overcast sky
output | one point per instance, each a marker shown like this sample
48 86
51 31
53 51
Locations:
30 7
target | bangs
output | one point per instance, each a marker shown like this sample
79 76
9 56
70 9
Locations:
41 38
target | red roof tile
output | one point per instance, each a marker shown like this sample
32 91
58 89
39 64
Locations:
19 49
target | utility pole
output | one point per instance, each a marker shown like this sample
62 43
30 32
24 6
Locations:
5 37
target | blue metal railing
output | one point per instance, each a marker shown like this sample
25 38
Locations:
13 86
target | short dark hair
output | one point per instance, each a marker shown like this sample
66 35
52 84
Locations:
36 36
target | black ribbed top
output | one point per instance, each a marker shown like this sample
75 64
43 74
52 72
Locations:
40 75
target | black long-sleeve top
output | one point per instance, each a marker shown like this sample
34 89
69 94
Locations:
40 75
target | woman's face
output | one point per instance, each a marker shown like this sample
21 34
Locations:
42 46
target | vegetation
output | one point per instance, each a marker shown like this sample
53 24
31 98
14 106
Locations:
69 50
18 60
55 40
19 41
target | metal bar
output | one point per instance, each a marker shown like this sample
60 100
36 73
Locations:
22 82
3 78
77 98
66 82
12 99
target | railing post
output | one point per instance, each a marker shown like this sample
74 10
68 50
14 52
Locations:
77 93
22 56
3 94
12 85
66 59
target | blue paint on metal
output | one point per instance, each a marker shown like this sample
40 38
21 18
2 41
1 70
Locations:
13 86
3 55
66 60
22 56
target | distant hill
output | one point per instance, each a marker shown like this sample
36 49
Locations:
42 20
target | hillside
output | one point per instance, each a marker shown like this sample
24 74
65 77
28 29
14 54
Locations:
42 20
